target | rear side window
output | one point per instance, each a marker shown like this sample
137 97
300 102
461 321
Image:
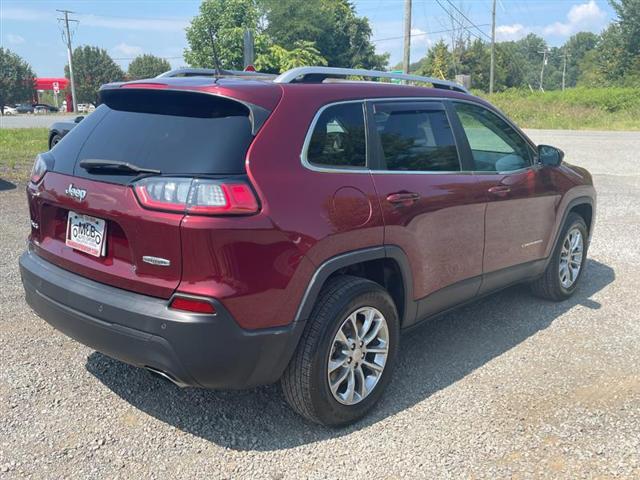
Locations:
338 137
178 133
415 137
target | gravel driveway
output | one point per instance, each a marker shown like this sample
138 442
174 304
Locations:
510 386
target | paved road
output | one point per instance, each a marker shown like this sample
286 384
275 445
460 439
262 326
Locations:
509 387
33 121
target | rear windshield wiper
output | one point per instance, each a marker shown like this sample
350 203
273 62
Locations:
115 165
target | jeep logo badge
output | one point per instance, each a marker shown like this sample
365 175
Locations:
76 192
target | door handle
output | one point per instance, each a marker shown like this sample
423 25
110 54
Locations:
500 190
404 198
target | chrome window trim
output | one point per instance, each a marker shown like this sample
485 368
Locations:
307 141
316 168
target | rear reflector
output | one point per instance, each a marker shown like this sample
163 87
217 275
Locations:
196 195
192 305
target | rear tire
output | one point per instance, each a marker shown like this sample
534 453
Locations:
312 382
567 262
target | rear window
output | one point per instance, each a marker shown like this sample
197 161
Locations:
178 133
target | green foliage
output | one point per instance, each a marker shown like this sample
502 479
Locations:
439 61
227 21
17 82
577 48
616 58
18 149
92 67
341 37
612 108
325 32
147 66
278 59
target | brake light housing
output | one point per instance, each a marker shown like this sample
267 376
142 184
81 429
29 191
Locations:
41 165
198 196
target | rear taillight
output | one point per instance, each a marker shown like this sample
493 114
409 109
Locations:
40 167
190 304
196 195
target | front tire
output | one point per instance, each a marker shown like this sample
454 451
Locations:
54 140
567 263
346 354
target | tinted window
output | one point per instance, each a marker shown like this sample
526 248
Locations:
174 132
496 147
66 151
416 139
338 138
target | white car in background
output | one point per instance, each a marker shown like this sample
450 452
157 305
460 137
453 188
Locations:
86 107
9 110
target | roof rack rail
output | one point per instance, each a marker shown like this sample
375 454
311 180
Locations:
319 74
210 72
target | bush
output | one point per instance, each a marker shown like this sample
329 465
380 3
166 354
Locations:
615 108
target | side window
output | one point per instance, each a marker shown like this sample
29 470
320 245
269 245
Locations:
496 147
415 138
338 138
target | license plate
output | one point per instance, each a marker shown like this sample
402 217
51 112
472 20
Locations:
87 234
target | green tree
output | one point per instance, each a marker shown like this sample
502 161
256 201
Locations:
576 48
17 82
278 59
147 66
438 63
629 21
616 58
342 38
474 60
92 67
227 20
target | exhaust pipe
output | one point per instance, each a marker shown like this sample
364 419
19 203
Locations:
165 376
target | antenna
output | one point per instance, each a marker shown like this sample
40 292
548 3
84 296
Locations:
216 61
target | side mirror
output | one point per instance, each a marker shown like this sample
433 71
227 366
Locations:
550 156
78 119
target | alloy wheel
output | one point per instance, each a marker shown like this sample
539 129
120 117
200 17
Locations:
358 355
571 258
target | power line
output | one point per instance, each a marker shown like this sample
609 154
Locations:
465 17
424 33
133 58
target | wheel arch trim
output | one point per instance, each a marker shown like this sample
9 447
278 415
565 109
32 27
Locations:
581 200
333 264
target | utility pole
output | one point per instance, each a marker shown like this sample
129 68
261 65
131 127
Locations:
564 66
407 36
67 37
493 46
544 53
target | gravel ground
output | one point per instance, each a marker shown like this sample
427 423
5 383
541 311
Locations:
508 387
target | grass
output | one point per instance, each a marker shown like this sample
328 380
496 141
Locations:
611 108
18 149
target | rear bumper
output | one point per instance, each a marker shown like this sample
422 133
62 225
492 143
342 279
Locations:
209 351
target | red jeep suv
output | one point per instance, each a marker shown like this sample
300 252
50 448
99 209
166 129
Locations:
227 230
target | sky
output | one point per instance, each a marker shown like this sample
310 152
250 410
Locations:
126 28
